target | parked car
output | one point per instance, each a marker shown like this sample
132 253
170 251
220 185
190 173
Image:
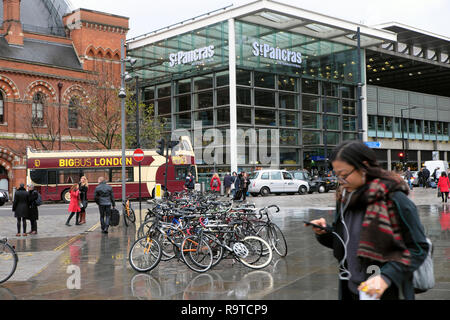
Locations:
315 184
331 181
265 182
4 198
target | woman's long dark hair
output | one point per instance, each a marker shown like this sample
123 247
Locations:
359 155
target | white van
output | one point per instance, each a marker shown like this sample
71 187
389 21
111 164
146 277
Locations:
431 165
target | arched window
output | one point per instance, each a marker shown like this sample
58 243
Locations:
2 108
74 105
38 109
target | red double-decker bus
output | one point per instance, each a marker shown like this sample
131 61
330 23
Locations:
54 172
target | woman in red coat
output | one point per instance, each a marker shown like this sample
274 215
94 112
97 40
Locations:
74 206
444 186
215 183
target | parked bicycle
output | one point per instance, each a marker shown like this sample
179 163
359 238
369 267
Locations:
8 260
128 213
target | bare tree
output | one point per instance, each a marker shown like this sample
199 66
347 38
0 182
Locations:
101 117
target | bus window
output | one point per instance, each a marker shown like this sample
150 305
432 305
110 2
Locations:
52 175
186 146
92 175
38 176
116 175
69 176
181 173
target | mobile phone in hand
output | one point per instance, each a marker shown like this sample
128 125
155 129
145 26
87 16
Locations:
316 226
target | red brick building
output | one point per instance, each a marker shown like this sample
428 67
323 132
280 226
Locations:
50 56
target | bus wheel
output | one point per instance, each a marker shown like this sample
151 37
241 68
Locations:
66 196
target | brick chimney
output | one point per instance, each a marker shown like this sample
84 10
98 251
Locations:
11 22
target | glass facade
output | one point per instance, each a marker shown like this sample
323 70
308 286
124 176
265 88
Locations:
294 94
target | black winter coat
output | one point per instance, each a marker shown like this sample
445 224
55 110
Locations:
20 205
33 211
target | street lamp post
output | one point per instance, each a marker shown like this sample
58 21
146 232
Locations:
124 76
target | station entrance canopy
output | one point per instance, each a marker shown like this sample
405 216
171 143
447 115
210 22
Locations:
419 61
269 35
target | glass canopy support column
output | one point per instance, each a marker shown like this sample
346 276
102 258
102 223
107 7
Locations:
233 100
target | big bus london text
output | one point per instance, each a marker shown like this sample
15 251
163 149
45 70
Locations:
54 172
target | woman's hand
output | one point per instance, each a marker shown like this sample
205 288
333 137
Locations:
321 222
374 286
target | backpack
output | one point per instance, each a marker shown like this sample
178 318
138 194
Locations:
38 201
215 183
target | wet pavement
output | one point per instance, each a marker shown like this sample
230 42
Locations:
80 262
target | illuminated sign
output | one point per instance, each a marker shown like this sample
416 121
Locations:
193 56
284 56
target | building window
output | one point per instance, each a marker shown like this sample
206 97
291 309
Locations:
38 109
2 108
74 104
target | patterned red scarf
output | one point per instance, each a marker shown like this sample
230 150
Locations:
381 239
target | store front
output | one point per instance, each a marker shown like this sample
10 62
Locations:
291 93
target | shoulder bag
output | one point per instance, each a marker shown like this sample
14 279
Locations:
423 277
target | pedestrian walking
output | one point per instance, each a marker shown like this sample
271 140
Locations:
215 183
436 174
368 231
190 181
245 182
420 177
74 205
426 177
104 198
233 184
227 183
33 211
237 185
84 187
20 208
408 177
444 186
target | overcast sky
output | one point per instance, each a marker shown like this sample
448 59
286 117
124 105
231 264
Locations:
149 15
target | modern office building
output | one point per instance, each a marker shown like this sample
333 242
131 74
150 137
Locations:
270 72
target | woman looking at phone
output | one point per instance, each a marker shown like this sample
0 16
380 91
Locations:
368 231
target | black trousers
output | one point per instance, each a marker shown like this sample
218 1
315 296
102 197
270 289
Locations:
244 194
105 214
33 225
77 218
444 196
23 222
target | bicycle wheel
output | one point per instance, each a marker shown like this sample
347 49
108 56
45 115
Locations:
124 213
253 252
277 240
8 261
196 253
168 249
145 254
129 217
261 229
145 228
